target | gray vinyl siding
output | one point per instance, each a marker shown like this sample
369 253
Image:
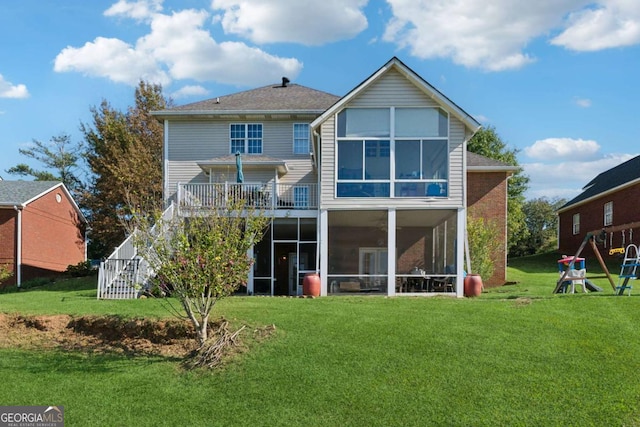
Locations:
393 89
192 141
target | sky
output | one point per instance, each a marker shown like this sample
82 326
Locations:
557 79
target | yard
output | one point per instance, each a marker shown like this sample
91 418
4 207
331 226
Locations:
517 355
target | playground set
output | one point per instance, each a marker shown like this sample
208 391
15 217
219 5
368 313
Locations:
572 269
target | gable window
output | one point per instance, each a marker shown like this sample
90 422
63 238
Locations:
576 223
246 138
301 138
608 213
392 152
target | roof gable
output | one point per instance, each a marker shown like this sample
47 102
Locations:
621 175
21 193
421 84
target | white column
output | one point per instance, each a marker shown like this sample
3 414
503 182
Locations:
323 249
460 233
391 251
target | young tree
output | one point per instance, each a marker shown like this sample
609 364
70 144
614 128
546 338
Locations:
488 143
124 153
201 258
60 158
483 244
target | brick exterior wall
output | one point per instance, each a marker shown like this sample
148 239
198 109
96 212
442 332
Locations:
487 198
625 211
7 241
52 236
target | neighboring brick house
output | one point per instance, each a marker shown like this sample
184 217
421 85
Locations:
609 201
41 229
370 189
487 198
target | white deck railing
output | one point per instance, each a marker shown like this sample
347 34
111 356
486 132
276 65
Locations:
123 274
263 196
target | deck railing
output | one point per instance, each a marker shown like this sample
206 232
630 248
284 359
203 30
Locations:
123 274
258 195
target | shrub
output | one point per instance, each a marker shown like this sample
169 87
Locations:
81 269
482 245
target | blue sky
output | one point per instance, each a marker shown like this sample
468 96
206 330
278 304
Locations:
557 79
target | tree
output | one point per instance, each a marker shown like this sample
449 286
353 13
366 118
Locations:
488 143
124 153
203 257
60 158
542 222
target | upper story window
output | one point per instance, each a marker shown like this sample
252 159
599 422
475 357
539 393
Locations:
301 138
576 223
608 213
404 157
246 138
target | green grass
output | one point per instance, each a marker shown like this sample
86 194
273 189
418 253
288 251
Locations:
517 355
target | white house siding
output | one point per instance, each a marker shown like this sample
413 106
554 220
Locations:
191 141
392 90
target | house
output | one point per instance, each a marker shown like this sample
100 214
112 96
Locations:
609 202
369 189
41 229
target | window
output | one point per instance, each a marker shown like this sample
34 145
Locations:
576 223
246 138
301 138
392 152
608 213
301 197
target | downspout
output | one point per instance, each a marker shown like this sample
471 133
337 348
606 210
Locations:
18 262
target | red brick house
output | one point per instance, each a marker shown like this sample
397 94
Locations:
41 229
609 201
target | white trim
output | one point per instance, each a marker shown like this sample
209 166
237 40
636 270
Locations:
323 224
165 162
391 247
410 75
602 194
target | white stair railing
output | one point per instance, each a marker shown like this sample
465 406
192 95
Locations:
124 274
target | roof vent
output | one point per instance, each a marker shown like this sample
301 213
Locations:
285 81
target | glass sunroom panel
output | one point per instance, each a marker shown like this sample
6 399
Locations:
350 160
356 122
408 159
435 158
377 160
421 122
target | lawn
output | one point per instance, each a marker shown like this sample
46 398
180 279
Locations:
517 355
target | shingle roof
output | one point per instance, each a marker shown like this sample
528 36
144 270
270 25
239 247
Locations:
20 192
292 97
608 180
480 162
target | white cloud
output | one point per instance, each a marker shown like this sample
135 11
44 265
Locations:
607 24
9 90
308 22
111 58
188 91
583 102
563 148
567 178
494 35
177 47
139 10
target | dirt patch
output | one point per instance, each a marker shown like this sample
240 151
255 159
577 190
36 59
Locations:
170 338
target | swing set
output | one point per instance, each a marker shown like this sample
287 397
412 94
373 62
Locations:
631 262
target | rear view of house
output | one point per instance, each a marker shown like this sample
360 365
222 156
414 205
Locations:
369 189
42 230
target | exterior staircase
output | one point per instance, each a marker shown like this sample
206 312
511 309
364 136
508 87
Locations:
124 274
